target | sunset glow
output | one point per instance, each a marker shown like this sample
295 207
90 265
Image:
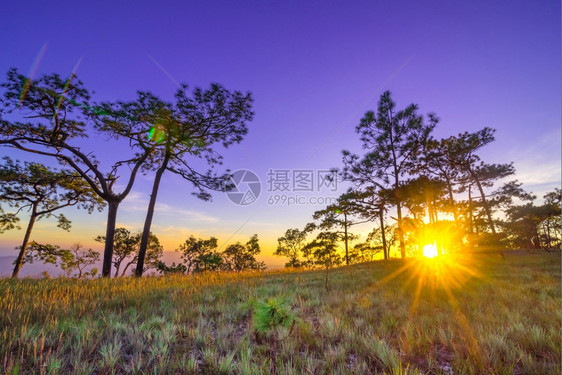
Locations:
430 250
280 187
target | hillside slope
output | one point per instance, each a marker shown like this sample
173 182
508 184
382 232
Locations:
475 314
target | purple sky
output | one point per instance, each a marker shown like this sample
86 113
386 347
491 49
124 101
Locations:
314 68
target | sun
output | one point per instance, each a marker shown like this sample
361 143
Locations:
430 250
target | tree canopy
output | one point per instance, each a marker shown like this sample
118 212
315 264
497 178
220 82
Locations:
43 192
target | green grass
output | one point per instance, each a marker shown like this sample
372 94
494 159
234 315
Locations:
487 316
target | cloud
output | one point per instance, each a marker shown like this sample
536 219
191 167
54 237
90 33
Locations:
538 171
538 164
128 226
138 202
187 214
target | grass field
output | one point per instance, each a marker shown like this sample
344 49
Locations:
475 314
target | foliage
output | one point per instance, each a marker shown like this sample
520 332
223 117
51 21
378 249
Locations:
80 260
8 220
368 250
422 177
191 128
324 249
200 255
461 153
57 117
73 261
47 253
272 314
43 192
165 269
291 244
238 257
393 140
336 218
530 226
126 248
370 204
269 318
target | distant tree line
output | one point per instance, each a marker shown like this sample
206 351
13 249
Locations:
199 255
439 189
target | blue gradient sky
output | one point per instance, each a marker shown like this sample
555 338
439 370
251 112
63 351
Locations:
314 68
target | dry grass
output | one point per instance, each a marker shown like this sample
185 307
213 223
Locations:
476 315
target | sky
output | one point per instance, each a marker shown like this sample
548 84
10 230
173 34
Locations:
314 68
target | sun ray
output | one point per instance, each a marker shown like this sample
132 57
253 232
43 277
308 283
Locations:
469 336
419 287
395 274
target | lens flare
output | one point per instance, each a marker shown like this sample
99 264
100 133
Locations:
31 73
156 133
430 250
66 86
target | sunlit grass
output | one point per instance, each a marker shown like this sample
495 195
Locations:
447 314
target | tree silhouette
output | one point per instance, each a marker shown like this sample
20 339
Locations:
290 245
393 139
337 218
238 257
57 118
79 260
126 250
73 261
200 255
323 250
8 220
42 192
47 253
379 239
423 194
173 269
434 163
460 152
181 133
530 226
369 204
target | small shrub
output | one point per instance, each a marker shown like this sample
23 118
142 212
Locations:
273 314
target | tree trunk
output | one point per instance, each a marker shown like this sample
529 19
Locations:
345 234
384 249
452 199
548 245
435 213
117 266
400 233
399 212
109 235
126 268
470 223
149 214
538 238
484 202
430 212
19 261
